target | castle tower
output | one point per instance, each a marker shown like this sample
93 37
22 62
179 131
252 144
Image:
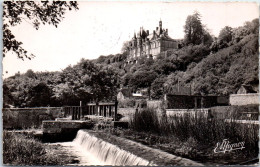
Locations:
160 24
134 36
160 30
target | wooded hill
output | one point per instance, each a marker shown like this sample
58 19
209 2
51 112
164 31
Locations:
216 66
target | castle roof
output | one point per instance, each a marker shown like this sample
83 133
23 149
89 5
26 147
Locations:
158 33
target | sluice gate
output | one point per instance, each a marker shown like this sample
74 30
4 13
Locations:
105 109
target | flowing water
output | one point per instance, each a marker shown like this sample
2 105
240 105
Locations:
91 150
82 157
106 152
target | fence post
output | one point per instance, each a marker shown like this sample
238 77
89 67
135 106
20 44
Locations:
109 111
78 113
115 114
97 108
80 110
105 111
73 113
100 110
63 109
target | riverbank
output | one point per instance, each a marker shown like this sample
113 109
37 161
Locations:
195 138
154 156
20 149
190 149
17 146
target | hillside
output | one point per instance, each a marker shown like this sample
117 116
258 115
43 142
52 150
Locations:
219 73
218 68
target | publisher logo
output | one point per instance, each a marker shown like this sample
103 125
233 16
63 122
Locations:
225 146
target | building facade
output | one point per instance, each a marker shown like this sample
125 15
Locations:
149 45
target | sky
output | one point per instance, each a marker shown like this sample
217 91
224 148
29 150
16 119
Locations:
100 28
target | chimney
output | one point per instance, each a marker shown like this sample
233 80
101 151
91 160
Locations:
147 32
156 28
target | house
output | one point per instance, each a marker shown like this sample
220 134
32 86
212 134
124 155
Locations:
245 89
246 95
173 101
138 95
124 93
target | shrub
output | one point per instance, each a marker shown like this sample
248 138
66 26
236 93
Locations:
19 149
10 119
145 120
206 131
126 103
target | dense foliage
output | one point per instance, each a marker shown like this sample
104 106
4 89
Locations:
219 67
195 32
84 81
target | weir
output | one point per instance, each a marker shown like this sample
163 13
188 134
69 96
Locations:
123 152
107 153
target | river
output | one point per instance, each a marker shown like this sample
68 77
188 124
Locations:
82 157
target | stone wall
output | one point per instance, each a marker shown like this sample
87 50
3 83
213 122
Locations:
244 99
245 112
182 112
240 112
19 118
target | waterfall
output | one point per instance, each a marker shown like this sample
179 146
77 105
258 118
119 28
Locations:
106 152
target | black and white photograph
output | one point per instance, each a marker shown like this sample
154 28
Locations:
127 83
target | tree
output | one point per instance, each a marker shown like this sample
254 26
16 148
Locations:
195 32
207 38
157 89
86 81
30 73
39 95
253 26
7 96
142 79
124 48
193 29
225 36
36 12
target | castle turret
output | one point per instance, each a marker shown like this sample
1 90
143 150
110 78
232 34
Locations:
134 36
160 24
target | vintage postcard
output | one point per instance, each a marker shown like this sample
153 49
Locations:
130 83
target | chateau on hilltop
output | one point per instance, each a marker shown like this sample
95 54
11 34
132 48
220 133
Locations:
150 45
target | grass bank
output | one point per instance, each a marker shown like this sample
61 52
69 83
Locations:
19 149
193 137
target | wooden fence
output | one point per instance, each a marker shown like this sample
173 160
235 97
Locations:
99 109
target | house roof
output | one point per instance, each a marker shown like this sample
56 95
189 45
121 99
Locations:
249 89
137 94
126 92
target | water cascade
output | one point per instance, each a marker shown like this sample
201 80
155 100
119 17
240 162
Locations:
106 152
